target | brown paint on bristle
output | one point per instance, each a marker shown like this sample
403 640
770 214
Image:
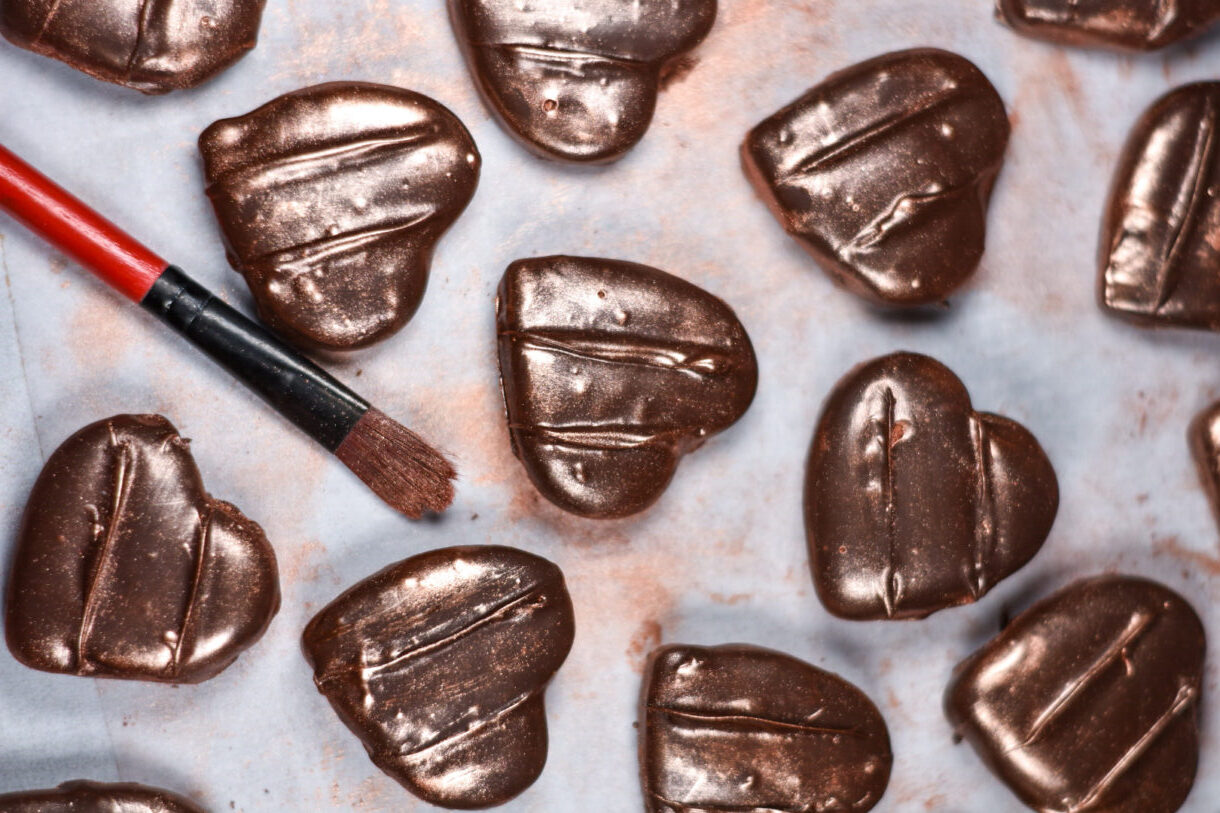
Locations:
398 465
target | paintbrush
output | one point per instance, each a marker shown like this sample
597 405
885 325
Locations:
392 460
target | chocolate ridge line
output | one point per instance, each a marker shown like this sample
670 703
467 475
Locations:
372 670
105 554
608 440
722 808
603 346
415 133
754 719
142 19
1170 272
1186 696
336 243
46 22
1139 623
890 220
984 517
551 53
205 533
443 738
893 585
881 127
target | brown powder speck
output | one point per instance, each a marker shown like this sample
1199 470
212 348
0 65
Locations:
301 562
647 637
676 70
731 600
1171 546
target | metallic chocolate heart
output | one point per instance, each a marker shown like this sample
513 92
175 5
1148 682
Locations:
915 502
1088 702
439 663
82 796
1132 25
331 200
883 173
612 371
126 568
1160 244
152 47
753 731
576 80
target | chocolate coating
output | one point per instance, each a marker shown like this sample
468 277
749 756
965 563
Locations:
1160 244
883 173
1204 439
751 730
612 371
331 200
576 80
439 664
915 502
1089 700
126 568
1129 25
152 47
82 796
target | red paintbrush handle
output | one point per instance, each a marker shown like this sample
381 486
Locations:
54 214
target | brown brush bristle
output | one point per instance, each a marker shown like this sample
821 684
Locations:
398 465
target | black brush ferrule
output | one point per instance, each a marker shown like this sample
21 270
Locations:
300 390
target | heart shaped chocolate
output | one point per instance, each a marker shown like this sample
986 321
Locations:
1126 25
915 502
439 663
745 729
331 200
1160 244
576 80
83 796
152 47
1088 702
884 171
612 371
126 568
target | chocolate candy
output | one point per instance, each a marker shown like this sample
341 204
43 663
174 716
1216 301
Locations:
884 171
611 372
126 568
331 200
83 796
915 502
576 80
1204 437
1160 244
152 47
1131 25
751 730
439 664
1089 700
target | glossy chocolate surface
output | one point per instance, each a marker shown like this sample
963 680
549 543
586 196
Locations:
883 173
915 502
126 568
576 80
612 371
1089 700
754 731
1160 244
331 200
152 47
82 796
1130 25
439 664
1204 439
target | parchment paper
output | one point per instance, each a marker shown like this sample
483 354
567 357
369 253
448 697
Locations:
722 556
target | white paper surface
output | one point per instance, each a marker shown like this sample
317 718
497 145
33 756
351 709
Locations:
721 557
